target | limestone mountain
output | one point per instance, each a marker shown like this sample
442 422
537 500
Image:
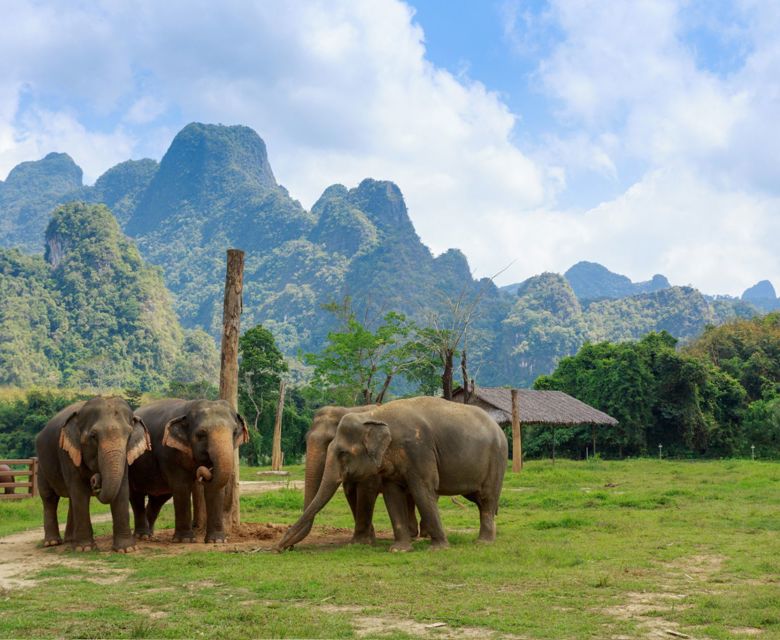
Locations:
91 312
28 196
762 295
214 189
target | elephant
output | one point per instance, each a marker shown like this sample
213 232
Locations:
361 496
192 441
86 450
6 476
424 446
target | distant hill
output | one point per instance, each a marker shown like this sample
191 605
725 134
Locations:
762 295
91 313
214 188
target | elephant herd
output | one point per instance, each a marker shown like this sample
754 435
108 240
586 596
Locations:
410 450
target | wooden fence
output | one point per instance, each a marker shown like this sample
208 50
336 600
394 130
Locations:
29 475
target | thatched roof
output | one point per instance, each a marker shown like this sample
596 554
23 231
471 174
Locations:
537 407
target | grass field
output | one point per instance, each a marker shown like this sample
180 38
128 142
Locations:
636 549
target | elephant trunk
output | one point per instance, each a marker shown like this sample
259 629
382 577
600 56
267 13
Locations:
315 467
112 463
222 459
330 483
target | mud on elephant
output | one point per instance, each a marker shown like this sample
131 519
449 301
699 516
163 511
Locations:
426 447
361 496
192 441
85 450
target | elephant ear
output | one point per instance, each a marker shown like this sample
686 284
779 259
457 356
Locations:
70 439
139 442
376 440
175 435
243 435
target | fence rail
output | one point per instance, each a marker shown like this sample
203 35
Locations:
8 488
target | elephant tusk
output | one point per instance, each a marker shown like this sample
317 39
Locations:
203 474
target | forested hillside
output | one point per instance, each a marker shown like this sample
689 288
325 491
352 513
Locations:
91 313
214 188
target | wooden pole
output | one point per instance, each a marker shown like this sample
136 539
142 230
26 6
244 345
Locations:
228 374
593 436
517 439
553 453
276 449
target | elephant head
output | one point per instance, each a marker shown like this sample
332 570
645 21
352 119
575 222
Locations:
320 435
355 454
104 436
207 435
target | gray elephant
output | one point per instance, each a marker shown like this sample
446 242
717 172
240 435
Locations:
86 449
361 496
425 446
192 440
6 476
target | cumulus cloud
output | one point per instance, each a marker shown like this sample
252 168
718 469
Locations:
344 90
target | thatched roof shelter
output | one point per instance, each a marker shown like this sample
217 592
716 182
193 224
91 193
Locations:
554 408
536 407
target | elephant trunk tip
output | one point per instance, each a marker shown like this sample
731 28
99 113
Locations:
203 474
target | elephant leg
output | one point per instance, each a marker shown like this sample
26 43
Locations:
395 501
487 511
411 516
182 507
69 526
367 493
124 541
141 523
153 507
51 526
198 507
83 536
215 525
427 502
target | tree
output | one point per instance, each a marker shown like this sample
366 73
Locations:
358 364
261 367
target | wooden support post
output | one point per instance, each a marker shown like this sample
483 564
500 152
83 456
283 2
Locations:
276 449
593 436
228 374
34 477
517 436
553 451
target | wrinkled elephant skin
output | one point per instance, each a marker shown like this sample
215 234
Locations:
192 441
426 447
86 449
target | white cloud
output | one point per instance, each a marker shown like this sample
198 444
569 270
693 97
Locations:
343 90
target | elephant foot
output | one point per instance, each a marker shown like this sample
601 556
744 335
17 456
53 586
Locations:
400 547
143 536
124 545
215 538
438 545
84 546
363 538
424 533
187 536
52 542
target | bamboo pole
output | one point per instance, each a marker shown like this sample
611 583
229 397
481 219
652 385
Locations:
517 437
228 374
276 450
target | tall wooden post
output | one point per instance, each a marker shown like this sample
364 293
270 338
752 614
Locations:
276 449
517 438
228 373
593 436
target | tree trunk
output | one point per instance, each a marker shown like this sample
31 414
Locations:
276 449
228 375
381 395
517 441
446 377
464 371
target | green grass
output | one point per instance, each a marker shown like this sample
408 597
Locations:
693 545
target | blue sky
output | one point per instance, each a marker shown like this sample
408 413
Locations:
641 134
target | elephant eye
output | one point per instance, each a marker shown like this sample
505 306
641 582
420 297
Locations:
201 435
93 435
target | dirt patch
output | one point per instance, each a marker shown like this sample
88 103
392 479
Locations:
263 486
376 627
680 579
